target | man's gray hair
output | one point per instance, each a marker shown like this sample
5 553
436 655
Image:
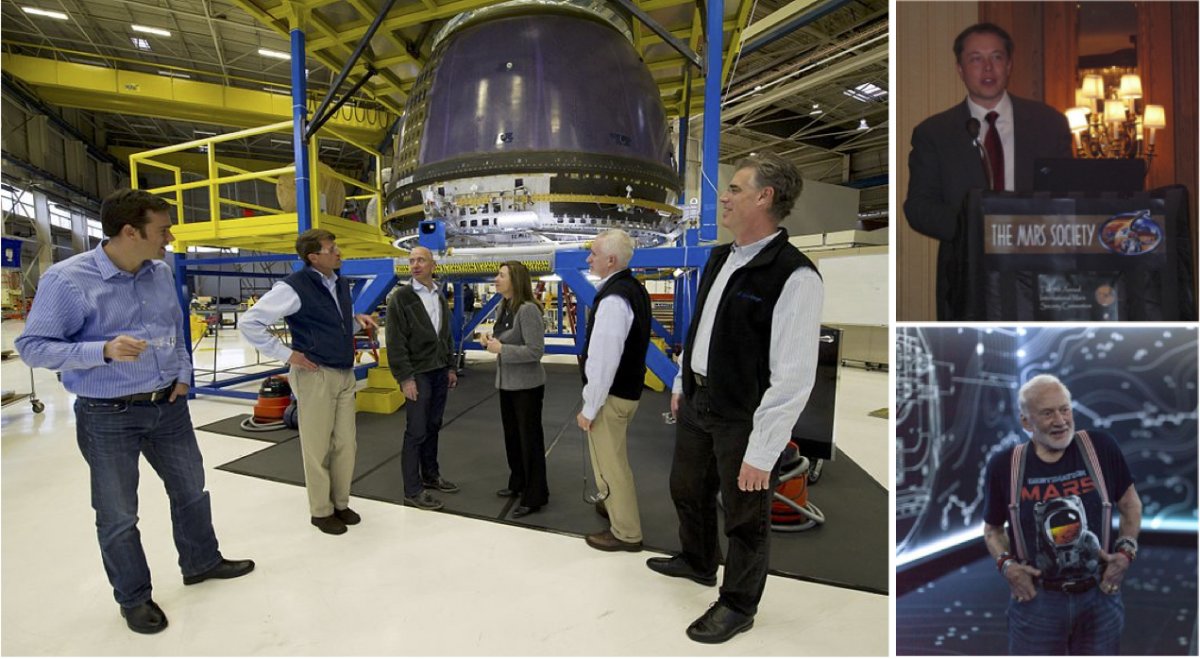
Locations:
617 243
1037 381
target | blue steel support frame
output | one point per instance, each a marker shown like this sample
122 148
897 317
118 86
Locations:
185 303
304 209
712 121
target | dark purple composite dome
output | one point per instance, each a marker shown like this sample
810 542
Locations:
532 109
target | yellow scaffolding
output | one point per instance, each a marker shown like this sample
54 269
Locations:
264 228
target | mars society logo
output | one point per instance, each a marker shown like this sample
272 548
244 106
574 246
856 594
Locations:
1131 233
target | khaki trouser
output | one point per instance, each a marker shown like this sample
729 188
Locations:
610 462
327 435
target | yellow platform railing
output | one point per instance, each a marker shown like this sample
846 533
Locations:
265 228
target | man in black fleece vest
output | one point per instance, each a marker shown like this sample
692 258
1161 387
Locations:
748 366
315 302
614 367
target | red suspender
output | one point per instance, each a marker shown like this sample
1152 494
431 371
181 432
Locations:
1016 475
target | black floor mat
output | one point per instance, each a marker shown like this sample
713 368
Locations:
850 550
233 426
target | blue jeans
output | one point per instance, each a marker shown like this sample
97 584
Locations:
423 423
111 436
1056 623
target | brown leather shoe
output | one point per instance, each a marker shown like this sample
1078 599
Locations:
606 541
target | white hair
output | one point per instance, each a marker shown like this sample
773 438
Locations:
1023 394
616 242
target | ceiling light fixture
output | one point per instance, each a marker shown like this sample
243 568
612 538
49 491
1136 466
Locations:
150 30
862 125
140 43
275 54
45 13
172 74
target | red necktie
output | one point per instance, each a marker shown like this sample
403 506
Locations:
995 151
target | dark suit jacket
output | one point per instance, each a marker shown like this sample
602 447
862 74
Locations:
944 165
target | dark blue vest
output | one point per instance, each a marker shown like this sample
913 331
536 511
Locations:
322 330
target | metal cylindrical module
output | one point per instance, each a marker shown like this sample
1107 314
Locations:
545 98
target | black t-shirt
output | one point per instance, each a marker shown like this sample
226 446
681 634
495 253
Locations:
1061 510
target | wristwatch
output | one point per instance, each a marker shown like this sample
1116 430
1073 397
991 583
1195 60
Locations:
1128 546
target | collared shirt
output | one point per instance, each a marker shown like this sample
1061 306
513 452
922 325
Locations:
610 328
279 302
1007 130
431 300
86 301
795 339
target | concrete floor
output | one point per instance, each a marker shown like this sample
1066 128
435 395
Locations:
405 581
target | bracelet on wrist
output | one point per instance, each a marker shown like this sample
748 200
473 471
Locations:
1003 558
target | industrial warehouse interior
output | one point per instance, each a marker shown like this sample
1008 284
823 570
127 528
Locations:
486 134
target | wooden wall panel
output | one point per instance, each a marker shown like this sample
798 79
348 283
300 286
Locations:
1023 22
926 83
1187 105
1156 55
1060 36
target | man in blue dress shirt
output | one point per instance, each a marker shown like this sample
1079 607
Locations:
110 322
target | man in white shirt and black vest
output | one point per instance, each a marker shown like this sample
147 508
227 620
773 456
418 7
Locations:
1056 493
315 303
614 367
748 367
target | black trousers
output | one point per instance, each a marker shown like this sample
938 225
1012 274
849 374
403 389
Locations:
708 458
525 444
423 423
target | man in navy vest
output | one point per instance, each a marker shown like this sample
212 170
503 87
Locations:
315 302
748 366
614 366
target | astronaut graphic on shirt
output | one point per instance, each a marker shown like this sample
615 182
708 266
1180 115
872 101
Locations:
1065 546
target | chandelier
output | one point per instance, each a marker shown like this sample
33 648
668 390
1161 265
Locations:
1106 122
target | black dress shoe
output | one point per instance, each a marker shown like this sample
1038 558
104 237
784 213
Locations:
329 524
226 569
145 618
348 517
677 566
522 511
507 493
719 624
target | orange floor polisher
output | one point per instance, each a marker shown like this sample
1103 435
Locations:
274 398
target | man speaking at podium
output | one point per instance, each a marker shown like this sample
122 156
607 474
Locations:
989 141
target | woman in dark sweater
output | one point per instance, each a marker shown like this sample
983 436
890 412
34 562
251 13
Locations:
518 343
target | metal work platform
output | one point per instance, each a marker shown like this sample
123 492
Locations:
235 223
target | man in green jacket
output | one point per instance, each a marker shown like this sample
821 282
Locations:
420 355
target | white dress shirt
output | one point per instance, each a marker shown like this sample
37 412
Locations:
431 300
610 328
795 337
1007 130
279 302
